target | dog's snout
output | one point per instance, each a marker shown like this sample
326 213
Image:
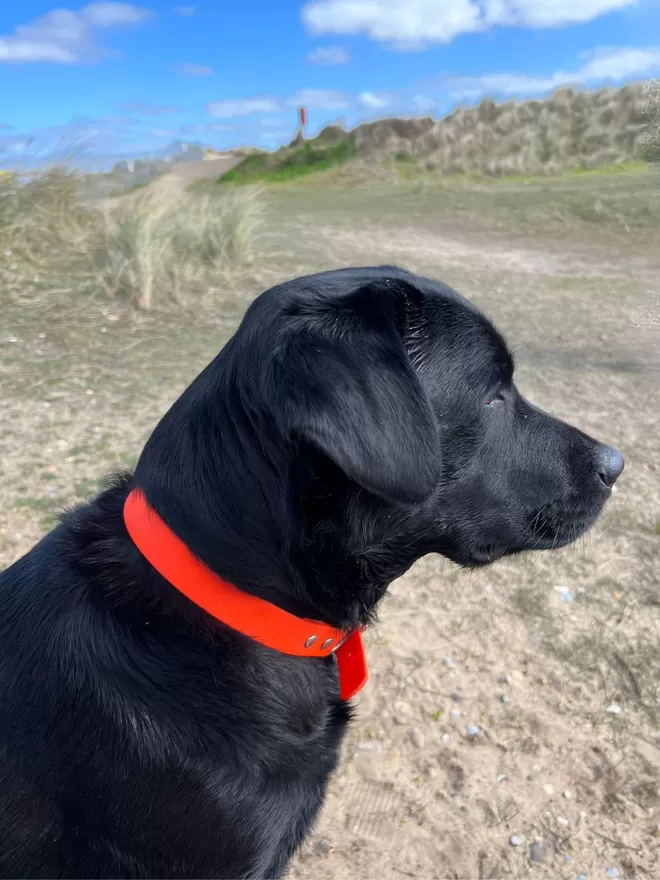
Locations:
609 465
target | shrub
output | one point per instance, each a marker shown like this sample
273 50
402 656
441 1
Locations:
150 247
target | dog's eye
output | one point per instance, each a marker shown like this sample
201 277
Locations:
492 399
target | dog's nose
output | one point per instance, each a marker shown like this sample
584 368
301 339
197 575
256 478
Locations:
609 465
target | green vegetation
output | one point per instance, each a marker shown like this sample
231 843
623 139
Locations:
290 163
634 166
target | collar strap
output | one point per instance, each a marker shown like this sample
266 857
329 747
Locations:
254 617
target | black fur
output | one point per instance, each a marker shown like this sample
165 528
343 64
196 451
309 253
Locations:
358 420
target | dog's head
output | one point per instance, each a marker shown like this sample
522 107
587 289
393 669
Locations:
358 420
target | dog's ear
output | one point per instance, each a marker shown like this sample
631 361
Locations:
344 382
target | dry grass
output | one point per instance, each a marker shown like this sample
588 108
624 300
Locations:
152 248
44 232
651 145
569 130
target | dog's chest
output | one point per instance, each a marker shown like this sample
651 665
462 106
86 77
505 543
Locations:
270 802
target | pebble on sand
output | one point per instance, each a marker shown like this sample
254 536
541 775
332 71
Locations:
417 738
540 851
402 712
370 745
472 730
448 662
516 840
613 709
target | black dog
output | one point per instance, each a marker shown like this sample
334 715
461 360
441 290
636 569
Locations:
358 420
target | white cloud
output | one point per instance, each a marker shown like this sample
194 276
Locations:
549 13
418 23
319 99
244 107
111 14
373 101
271 122
600 65
144 108
619 63
68 141
99 143
329 55
277 135
196 128
196 70
11 147
391 21
313 99
64 36
185 10
423 103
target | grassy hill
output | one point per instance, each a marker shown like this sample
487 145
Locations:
332 147
569 130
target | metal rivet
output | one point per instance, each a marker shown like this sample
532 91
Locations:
310 641
326 644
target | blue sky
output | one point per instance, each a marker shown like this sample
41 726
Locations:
123 77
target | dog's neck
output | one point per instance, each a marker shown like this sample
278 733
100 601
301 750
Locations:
269 517
259 621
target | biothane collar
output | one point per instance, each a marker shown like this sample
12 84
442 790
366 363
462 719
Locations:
254 617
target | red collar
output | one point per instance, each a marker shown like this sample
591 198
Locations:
254 617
